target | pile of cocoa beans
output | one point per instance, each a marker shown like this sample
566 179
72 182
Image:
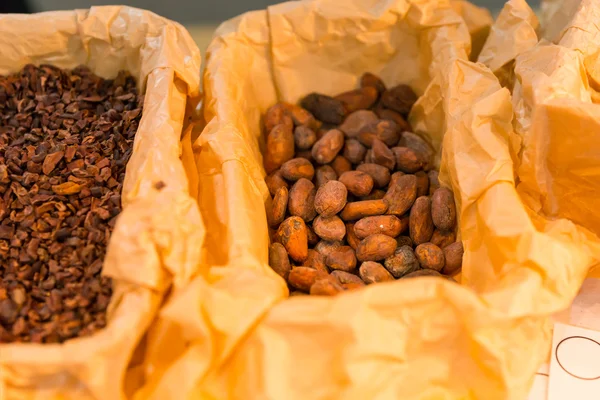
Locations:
356 199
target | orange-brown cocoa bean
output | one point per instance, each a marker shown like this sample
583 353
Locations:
420 222
357 121
357 182
375 247
280 147
328 147
297 168
360 209
329 228
401 194
301 201
358 99
430 256
278 207
389 225
331 198
453 254
279 260
373 272
342 258
292 235
443 209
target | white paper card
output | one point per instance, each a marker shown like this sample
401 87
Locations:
575 364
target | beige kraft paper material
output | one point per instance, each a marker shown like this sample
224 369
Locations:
158 237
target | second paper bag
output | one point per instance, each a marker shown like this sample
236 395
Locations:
234 334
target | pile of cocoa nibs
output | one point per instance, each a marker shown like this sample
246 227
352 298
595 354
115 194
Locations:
356 200
65 139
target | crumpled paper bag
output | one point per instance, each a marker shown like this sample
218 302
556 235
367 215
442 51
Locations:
478 20
559 122
158 236
233 333
513 32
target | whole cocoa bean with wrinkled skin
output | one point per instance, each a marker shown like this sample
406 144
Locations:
402 262
420 223
453 254
280 147
345 277
279 260
278 115
351 237
401 194
278 207
422 183
443 209
327 148
382 155
340 164
342 258
389 225
404 241
423 272
369 79
380 174
331 198
329 228
376 194
399 98
315 260
403 125
385 130
358 99
301 201
326 287
275 181
313 239
354 151
418 144
304 137
302 117
408 160
434 182
302 278
373 272
443 238
357 121
358 183
430 256
297 168
324 108
375 247
360 209
292 235
325 248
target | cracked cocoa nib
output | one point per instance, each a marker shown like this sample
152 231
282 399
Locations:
65 139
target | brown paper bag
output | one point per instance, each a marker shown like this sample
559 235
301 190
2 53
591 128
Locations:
158 236
233 334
